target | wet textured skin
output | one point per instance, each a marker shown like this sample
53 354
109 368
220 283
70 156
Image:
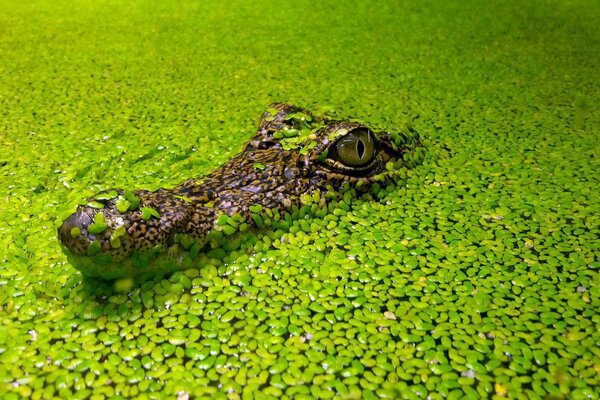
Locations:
264 174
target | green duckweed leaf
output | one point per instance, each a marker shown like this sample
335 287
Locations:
149 212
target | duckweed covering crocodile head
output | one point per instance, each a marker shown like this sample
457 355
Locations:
295 163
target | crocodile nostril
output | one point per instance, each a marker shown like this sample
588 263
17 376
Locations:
80 220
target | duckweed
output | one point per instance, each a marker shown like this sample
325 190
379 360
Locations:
149 212
475 277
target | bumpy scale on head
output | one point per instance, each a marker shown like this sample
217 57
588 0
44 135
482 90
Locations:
293 156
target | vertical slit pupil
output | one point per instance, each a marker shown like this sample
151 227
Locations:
360 148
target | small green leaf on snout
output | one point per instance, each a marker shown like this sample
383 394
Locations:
134 201
272 110
149 212
123 205
97 228
115 238
106 196
115 242
119 232
260 166
99 218
95 204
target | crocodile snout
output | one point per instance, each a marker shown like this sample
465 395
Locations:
73 232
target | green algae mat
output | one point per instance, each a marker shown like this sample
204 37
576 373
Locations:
477 277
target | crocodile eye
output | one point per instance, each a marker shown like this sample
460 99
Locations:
356 148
